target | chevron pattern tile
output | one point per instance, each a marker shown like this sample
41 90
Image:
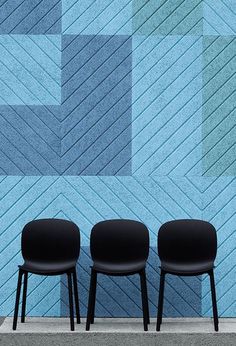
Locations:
166 118
219 208
96 105
89 17
30 69
30 17
219 106
30 140
118 109
219 17
179 17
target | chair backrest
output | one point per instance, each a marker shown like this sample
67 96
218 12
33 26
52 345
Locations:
187 241
50 240
119 241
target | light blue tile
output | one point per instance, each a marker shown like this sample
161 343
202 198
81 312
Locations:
166 117
88 17
24 199
30 69
219 208
219 17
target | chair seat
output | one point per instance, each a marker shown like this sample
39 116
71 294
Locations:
187 268
118 268
45 268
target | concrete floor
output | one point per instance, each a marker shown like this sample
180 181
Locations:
116 331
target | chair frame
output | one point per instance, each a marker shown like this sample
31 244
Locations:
92 295
161 295
71 274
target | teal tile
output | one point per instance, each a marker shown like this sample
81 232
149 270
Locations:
219 103
161 17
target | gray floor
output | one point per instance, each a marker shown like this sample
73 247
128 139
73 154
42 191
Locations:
115 332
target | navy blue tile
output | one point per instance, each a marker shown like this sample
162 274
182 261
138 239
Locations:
30 17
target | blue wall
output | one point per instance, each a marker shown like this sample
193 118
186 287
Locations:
115 109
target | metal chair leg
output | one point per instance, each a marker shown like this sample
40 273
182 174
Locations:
17 299
92 299
76 297
144 300
72 326
160 300
214 303
25 284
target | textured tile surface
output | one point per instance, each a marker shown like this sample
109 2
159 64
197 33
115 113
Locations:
219 208
30 69
89 17
161 17
21 200
30 140
166 118
219 106
219 17
96 105
30 17
115 109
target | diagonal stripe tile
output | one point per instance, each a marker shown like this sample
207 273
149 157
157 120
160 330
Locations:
166 118
30 69
96 105
179 17
219 106
30 17
88 17
219 208
219 17
23 199
30 140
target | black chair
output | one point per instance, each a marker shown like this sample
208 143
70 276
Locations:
187 248
49 247
119 248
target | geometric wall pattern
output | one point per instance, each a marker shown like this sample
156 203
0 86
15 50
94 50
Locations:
118 109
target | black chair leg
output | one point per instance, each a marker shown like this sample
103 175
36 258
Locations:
214 304
76 296
24 297
146 319
72 326
92 299
160 301
17 299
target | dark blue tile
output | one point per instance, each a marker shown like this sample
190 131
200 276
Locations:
30 17
96 105
30 140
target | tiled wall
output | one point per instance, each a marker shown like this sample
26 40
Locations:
118 109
